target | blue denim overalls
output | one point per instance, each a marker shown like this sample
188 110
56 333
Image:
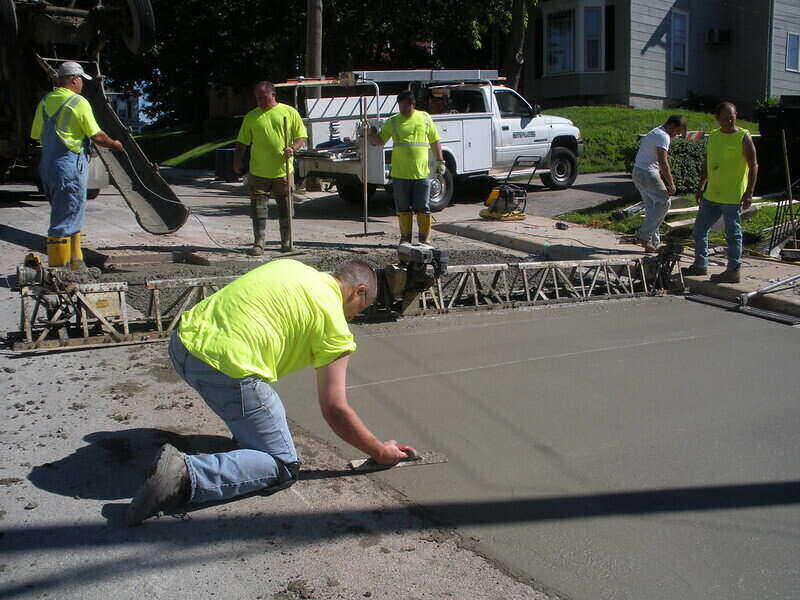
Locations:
64 175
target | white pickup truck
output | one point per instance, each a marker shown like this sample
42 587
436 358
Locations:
487 130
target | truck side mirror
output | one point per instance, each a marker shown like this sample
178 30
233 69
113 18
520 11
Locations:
537 109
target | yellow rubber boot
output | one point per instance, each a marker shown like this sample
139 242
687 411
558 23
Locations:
76 254
424 224
58 252
406 222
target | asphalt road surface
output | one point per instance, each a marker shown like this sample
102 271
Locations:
636 449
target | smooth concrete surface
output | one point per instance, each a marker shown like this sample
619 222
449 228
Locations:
636 449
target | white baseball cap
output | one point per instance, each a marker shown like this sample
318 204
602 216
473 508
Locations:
71 68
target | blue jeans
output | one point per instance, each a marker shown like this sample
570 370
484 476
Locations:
254 413
411 193
709 213
656 203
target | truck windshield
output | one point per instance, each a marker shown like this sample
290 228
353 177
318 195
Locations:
511 105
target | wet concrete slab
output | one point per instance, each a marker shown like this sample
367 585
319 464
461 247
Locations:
635 449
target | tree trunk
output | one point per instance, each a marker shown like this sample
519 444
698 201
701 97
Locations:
314 44
515 44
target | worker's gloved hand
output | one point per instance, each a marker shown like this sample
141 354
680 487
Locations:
440 167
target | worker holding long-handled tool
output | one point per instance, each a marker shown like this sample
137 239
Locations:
280 317
64 122
273 131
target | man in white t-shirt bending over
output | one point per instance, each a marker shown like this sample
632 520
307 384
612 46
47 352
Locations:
653 178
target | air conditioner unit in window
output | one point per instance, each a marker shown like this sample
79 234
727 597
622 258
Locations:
716 36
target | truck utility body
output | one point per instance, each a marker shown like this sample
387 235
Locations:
486 129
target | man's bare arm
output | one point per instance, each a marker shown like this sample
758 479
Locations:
752 162
340 416
238 155
666 173
698 195
296 145
101 138
437 150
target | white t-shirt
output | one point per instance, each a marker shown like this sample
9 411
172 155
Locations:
646 157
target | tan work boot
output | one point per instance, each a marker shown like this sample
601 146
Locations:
424 225
167 486
727 276
406 222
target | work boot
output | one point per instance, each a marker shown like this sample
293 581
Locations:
58 252
76 264
167 486
727 276
406 222
259 233
424 226
694 271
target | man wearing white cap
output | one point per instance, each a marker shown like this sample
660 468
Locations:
64 122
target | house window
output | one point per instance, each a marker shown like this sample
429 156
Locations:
793 52
592 27
680 41
561 42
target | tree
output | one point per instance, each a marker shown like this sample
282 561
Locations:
203 47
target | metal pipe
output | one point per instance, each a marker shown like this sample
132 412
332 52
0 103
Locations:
364 170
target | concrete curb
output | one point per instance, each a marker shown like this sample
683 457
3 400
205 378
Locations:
543 249
731 292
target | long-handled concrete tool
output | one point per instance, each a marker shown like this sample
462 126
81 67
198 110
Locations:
289 186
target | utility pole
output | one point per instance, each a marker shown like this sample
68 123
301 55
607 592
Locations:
313 64
314 44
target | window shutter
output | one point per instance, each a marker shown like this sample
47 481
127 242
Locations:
610 38
538 32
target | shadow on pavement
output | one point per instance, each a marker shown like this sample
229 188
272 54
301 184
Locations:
21 198
114 463
179 540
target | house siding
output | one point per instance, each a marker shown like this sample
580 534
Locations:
570 88
786 19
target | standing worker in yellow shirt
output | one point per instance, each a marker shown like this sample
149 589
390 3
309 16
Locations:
412 132
273 131
730 169
64 122
278 318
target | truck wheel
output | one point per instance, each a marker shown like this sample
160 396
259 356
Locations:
352 191
441 191
8 22
139 29
563 169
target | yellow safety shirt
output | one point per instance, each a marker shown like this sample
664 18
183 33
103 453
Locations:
412 136
263 131
75 123
727 166
278 318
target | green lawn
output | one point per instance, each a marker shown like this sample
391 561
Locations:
612 131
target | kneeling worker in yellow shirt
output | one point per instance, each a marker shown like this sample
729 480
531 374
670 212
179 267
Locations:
278 318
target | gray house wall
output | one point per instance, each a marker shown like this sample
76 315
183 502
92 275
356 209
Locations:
786 19
604 87
740 69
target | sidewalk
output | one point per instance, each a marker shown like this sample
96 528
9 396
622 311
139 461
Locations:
539 236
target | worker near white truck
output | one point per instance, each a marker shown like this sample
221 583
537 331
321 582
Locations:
653 178
65 123
279 318
413 133
274 132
